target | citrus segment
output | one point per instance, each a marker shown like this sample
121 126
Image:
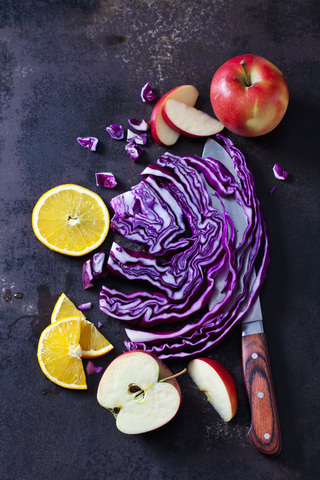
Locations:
71 219
59 353
65 308
93 343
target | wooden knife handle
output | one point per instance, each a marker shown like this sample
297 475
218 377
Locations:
264 433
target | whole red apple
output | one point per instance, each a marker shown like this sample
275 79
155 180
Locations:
249 95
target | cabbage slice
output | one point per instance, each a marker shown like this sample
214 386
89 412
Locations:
188 253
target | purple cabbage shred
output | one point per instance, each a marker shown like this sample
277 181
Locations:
93 269
133 150
105 180
85 306
87 275
88 142
147 94
279 173
91 368
142 126
140 139
115 131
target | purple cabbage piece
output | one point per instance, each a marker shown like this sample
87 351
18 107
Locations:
85 306
133 150
142 126
147 94
279 173
87 275
184 264
88 142
115 131
91 368
99 267
140 139
93 269
105 180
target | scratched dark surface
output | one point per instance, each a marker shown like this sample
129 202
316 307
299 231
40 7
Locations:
71 67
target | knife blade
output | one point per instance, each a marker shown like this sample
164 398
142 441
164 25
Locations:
264 432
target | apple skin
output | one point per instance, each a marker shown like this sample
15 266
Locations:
252 110
135 415
216 389
161 132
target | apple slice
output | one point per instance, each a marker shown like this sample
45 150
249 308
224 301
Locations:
134 390
215 380
187 120
160 130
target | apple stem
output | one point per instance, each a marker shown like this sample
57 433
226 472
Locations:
173 376
246 73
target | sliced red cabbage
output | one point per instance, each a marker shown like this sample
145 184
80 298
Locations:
115 131
279 173
99 324
91 368
142 126
134 151
271 191
147 94
85 306
93 269
193 255
140 139
88 142
99 267
87 275
105 180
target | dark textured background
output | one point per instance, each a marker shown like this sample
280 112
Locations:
71 67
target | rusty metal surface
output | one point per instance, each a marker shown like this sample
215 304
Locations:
71 67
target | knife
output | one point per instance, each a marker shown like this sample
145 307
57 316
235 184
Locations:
264 432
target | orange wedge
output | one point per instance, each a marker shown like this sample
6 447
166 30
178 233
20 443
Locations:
63 344
93 343
65 308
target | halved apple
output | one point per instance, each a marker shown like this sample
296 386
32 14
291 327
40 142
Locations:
215 380
187 120
160 130
135 387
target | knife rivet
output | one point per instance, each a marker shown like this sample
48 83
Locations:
254 355
267 436
260 394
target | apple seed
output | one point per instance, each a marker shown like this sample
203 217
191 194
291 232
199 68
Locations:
115 411
133 388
